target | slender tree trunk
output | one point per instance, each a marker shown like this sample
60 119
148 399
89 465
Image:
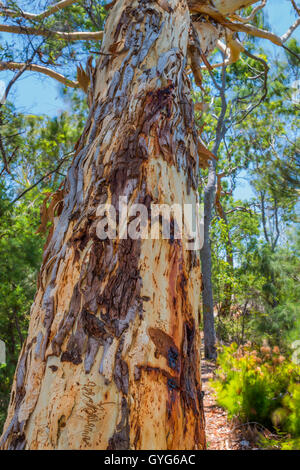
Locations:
206 261
206 264
112 354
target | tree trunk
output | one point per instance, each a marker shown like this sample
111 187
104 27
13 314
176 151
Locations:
112 358
206 264
209 200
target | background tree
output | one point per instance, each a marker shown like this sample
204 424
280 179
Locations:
263 149
244 91
35 171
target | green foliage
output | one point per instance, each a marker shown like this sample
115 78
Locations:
265 289
38 145
35 144
276 315
255 241
261 386
51 52
20 257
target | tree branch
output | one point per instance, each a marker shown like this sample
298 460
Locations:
68 155
39 68
265 84
286 36
241 209
224 7
21 70
73 36
39 16
238 27
234 47
253 31
252 14
295 7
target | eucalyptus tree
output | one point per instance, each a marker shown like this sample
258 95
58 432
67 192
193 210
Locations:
112 357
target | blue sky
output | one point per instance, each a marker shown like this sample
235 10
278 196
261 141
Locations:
35 94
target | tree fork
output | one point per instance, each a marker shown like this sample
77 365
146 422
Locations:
112 358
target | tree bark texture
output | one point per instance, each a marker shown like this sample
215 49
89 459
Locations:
112 358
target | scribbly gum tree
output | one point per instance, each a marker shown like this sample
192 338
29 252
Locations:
112 355
112 358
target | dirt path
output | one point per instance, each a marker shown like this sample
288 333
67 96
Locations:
220 433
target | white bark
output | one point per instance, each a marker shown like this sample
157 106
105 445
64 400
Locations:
112 358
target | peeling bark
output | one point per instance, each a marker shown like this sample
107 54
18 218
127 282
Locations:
112 358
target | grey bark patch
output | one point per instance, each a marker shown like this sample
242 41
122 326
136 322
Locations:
121 372
92 349
120 439
73 353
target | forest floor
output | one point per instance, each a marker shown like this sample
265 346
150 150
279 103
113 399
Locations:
221 434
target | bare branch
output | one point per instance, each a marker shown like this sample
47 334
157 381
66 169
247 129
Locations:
231 51
286 36
291 52
238 27
260 33
224 7
295 7
221 125
252 14
13 80
253 31
241 209
217 15
265 84
21 70
39 16
55 170
73 36
39 68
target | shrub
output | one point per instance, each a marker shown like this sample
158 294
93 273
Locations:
262 386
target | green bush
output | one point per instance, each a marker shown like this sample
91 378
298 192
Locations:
260 386
279 326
